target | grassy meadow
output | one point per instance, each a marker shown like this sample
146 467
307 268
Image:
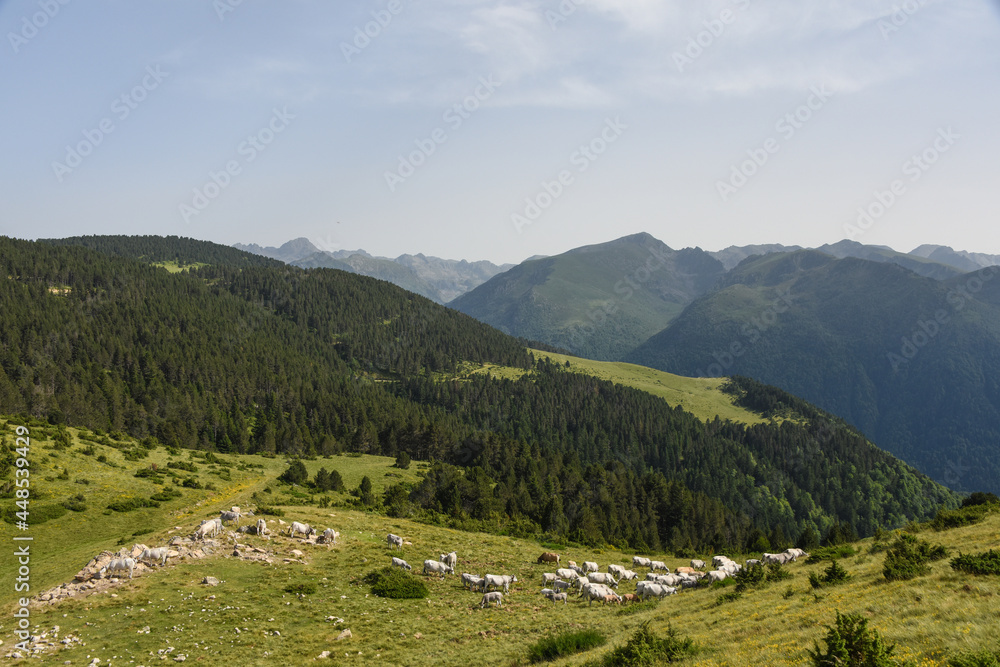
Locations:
250 618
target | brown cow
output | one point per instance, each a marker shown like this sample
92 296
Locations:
687 570
612 599
629 597
548 557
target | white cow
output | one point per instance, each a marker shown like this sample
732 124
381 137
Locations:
657 590
495 596
698 564
500 581
628 575
548 578
639 561
716 575
562 585
394 541
330 536
262 527
598 592
753 562
157 554
602 578
616 570
119 564
781 559
658 565
437 567
450 559
303 528
557 597
566 573
471 581
229 516
590 566
400 563
719 561
796 553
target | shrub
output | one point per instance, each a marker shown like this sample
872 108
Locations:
977 659
965 516
908 556
295 474
402 461
186 466
775 572
131 504
392 582
834 574
36 515
850 643
984 563
644 648
980 498
168 493
270 511
567 643
307 588
731 596
76 504
191 483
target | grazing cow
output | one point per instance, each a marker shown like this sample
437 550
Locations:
450 559
394 541
303 528
564 573
562 585
559 597
651 576
571 563
437 567
616 570
500 581
612 599
668 579
657 590
580 572
795 554
495 596
119 564
158 554
698 564
629 597
596 592
549 557
658 565
781 559
330 536
470 581
753 562
689 583
686 570
400 563
262 527
547 592
629 575
716 575
229 516
590 566
602 578
639 561
210 527
548 578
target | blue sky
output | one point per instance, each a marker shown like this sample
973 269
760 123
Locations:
489 129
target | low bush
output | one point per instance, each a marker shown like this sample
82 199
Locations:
270 511
567 643
977 659
985 563
834 574
307 588
638 607
965 516
131 504
830 553
36 514
391 582
168 493
77 503
186 466
907 558
645 648
851 643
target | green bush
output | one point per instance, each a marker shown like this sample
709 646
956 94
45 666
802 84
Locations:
829 553
977 659
270 511
307 588
187 466
191 483
567 643
850 643
984 563
168 493
731 596
644 648
132 504
77 503
834 574
295 474
907 558
965 516
981 498
402 461
392 582
36 513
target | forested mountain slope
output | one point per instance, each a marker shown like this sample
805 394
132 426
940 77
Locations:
911 361
279 359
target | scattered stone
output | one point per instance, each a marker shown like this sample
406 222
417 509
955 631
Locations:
324 654
417 635
346 634
210 581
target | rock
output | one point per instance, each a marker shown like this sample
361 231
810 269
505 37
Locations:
210 581
417 635
180 658
297 553
324 654
346 634
281 523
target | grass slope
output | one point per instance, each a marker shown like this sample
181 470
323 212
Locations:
249 619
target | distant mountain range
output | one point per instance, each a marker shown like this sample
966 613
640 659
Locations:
440 280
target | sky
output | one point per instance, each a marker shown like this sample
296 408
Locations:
502 129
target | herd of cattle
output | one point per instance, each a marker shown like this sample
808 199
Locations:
587 582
